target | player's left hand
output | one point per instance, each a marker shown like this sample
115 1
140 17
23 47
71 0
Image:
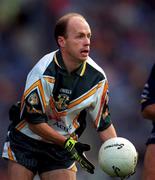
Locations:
76 150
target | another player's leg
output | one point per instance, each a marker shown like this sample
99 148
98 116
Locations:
149 163
60 174
18 172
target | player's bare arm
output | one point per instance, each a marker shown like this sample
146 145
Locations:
108 133
48 133
149 112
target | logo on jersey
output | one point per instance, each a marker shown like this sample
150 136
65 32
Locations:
62 102
33 99
63 127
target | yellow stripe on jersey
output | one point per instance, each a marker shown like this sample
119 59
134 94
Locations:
86 96
22 102
73 168
101 104
35 85
83 69
10 153
50 79
56 61
21 125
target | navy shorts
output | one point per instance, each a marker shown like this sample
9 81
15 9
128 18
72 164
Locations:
35 155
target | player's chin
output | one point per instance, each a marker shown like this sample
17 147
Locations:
84 58
84 55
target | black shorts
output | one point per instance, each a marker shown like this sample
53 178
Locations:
35 155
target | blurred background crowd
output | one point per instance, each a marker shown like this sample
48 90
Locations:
123 44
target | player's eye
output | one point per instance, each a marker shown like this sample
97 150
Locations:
89 36
80 36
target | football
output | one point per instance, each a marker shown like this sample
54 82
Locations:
118 157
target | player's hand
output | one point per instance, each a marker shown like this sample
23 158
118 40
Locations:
76 150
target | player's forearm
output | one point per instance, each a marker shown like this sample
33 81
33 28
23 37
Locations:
149 112
108 133
48 133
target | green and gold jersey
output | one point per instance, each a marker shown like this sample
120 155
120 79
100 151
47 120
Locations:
63 99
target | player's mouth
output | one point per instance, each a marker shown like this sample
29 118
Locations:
85 52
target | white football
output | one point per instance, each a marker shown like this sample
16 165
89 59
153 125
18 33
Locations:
118 157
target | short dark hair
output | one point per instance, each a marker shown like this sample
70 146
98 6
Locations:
61 25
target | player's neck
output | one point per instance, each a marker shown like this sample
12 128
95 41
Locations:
70 63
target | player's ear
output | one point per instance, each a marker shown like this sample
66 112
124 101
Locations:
61 41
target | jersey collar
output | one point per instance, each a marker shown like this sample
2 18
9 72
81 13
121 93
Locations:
59 61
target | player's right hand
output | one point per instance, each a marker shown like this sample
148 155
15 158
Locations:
76 150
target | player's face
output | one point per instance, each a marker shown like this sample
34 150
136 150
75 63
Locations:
77 42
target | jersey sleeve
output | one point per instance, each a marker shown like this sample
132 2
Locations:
148 93
99 110
34 100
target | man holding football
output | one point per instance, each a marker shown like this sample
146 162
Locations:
60 90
